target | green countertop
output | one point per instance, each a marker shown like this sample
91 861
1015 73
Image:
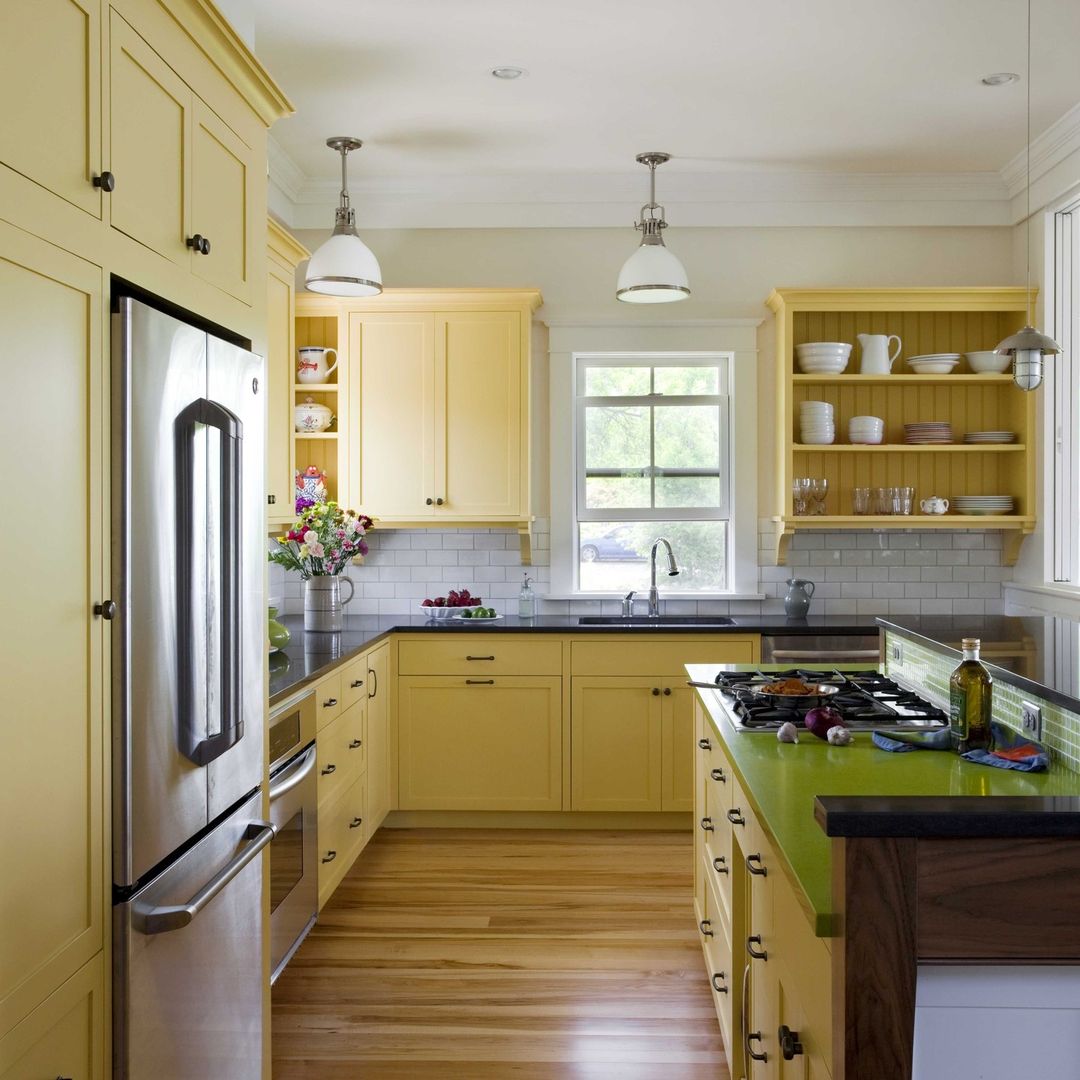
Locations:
783 779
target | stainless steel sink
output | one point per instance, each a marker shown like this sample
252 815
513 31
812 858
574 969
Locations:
659 620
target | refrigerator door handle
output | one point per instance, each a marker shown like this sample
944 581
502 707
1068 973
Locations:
211 414
160 920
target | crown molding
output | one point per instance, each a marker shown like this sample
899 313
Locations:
1055 165
583 200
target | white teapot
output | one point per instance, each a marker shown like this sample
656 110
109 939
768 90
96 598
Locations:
312 365
934 505
310 416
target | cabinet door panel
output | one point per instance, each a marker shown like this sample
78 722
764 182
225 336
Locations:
494 744
615 744
51 801
392 392
478 373
149 131
377 684
221 206
677 790
50 76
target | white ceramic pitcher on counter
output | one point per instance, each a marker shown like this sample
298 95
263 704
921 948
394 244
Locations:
876 358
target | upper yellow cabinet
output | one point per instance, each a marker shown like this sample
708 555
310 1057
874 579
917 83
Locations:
434 403
926 320
184 180
50 81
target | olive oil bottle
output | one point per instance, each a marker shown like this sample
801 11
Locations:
970 701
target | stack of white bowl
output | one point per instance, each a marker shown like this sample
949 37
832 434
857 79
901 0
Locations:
866 429
816 422
823 357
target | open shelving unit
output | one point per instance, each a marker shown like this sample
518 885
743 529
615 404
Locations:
927 321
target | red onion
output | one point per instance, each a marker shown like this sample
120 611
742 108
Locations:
819 720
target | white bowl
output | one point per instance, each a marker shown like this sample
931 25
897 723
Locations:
865 438
988 362
932 367
446 612
819 440
867 420
824 348
812 408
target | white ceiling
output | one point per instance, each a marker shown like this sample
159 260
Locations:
737 92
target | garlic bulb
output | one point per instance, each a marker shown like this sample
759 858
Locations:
839 736
788 732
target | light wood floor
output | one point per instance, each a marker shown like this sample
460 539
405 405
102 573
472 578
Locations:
478 955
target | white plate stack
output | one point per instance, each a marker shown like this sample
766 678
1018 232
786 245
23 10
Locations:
934 363
823 357
990 437
928 433
816 422
866 429
983 505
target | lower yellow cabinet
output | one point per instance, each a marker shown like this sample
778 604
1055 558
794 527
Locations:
65 1035
483 742
342 830
377 683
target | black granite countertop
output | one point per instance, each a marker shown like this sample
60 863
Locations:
1039 654
309 656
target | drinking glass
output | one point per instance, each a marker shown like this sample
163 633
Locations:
818 490
907 499
860 500
892 499
881 501
800 489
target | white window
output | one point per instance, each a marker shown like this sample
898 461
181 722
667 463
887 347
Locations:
652 457
1063 402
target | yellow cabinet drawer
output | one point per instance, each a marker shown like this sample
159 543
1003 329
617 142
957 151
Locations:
481 655
724 982
354 677
341 836
660 656
328 699
339 752
65 1035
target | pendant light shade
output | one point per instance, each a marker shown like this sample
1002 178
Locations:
652 275
344 265
1028 347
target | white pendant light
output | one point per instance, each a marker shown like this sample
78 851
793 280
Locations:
1028 347
344 265
652 275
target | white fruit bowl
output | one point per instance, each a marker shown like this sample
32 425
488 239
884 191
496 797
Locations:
433 612
988 362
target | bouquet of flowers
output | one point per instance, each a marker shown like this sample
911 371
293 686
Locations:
322 540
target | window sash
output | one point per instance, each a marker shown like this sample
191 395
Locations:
1065 398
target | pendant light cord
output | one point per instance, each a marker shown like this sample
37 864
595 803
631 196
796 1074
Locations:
1027 219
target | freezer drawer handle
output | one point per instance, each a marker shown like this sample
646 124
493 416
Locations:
163 919
211 414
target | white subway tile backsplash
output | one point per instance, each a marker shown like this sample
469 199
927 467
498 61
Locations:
857 573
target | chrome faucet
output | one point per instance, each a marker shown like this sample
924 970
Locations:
673 570
628 604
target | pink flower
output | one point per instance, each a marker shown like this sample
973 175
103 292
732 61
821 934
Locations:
312 546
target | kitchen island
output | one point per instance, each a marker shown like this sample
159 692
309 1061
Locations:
824 875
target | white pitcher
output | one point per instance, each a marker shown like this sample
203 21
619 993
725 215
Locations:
312 366
876 359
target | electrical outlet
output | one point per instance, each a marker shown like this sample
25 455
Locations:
897 652
1031 719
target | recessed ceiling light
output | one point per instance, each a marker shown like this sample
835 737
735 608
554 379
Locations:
1000 78
508 72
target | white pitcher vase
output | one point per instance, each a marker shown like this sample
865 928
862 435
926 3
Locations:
323 604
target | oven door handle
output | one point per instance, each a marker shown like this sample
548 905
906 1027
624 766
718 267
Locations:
834 656
295 773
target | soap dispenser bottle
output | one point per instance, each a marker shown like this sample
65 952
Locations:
526 601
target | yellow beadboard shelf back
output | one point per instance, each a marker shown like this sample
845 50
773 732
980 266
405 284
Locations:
927 320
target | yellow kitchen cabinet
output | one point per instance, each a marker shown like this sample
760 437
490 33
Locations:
378 792
339 752
65 1035
615 743
437 403
284 254
479 743
50 80
52 812
342 833
677 745
185 182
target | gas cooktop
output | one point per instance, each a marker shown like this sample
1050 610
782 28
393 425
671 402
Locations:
867 700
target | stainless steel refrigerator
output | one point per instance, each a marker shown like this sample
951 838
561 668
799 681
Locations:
188 694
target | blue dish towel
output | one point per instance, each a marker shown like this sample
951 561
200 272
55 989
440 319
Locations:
1011 750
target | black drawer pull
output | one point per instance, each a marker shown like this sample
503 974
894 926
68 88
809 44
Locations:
753 1036
329 703
718 980
704 744
356 685
356 823
330 856
735 816
329 769
755 865
479 657
355 744
479 682
705 926
756 954
719 864
790 1047
718 776
707 825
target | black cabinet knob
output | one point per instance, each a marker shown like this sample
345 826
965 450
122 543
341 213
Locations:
105 182
667 691
199 244
439 502
429 502
790 1047
106 609
656 691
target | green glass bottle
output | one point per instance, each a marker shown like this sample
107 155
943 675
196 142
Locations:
970 701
